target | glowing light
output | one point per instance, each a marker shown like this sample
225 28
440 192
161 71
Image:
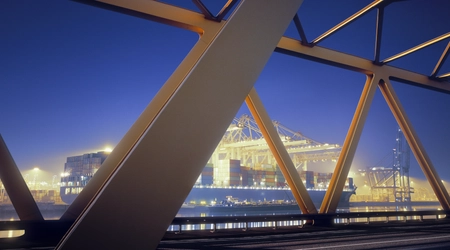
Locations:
36 169
108 149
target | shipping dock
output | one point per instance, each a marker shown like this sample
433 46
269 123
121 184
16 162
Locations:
241 166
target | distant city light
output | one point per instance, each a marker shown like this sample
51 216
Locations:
108 149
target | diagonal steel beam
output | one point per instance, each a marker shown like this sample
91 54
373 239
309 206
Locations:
169 15
347 21
16 187
415 144
319 54
191 20
280 153
337 182
208 15
444 76
158 12
145 191
416 48
441 60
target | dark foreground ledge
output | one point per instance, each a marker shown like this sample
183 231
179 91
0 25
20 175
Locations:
47 233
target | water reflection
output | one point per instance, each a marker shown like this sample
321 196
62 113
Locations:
205 211
202 211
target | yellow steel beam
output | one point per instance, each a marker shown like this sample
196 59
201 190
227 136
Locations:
444 75
166 14
194 21
148 186
416 48
337 182
441 60
415 144
280 153
347 21
331 57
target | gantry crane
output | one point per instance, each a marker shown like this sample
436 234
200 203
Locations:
244 141
392 183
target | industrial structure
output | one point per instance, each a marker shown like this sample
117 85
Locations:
244 140
220 71
242 160
392 183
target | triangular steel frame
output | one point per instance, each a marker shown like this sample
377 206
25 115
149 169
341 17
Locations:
141 140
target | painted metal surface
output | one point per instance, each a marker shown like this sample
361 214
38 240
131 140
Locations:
335 58
347 21
173 16
337 182
416 48
140 154
144 180
414 142
441 61
280 153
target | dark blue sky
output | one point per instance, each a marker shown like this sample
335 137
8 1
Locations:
74 78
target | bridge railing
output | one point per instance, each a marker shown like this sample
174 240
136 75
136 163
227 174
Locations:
180 224
47 233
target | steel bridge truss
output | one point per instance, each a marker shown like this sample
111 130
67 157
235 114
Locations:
251 33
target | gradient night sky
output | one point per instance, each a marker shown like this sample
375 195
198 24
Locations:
74 78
